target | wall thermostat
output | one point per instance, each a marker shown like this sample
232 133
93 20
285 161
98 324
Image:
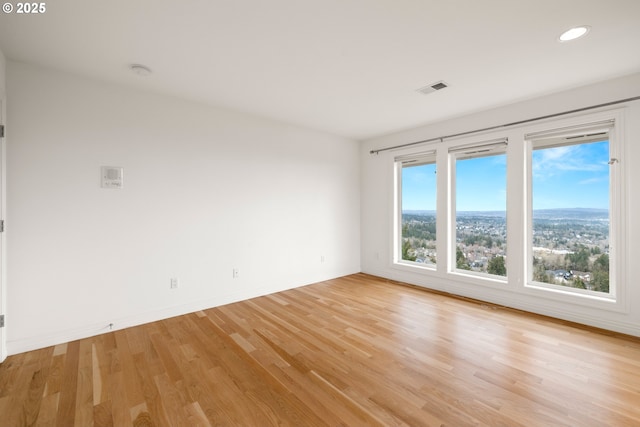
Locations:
111 176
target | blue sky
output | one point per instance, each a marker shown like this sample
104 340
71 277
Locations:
419 188
481 184
575 176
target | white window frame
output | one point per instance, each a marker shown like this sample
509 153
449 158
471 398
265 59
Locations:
613 123
414 159
497 146
517 287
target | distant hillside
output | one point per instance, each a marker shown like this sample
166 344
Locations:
564 213
573 213
499 214
420 213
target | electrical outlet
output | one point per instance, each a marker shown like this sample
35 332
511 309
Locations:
236 273
174 282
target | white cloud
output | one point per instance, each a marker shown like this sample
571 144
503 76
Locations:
551 162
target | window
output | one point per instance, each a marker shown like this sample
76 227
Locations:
541 215
480 173
570 233
417 209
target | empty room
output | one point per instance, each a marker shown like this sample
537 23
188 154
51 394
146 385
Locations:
319 213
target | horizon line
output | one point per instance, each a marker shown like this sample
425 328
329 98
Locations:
504 210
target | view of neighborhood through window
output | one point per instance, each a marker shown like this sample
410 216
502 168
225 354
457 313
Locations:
418 211
480 201
570 218
570 209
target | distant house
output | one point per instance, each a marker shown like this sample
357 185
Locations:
560 275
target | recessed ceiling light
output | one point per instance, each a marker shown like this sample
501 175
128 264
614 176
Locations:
574 33
140 70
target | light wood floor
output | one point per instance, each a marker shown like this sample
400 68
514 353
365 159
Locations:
356 351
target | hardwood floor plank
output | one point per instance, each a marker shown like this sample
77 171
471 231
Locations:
69 387
357 350
120 407
132 385
31 404
252 379
152 396
102 416
161 345
96 375
48 410
84 400
365 417
60 349
196 416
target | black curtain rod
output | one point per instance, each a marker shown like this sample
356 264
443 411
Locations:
442 138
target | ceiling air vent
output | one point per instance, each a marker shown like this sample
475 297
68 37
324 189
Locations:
432 88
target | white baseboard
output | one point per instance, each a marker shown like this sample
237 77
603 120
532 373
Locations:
599 319
37 342
513 301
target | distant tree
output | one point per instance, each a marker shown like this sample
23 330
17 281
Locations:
602 263
600 281
579 283
540 274
406 247
578 260
472 240
461 261
496 266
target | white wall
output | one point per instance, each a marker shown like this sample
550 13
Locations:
3 63
205 191
377 208
3 117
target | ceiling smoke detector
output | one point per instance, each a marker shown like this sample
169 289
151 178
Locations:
140 70
432 88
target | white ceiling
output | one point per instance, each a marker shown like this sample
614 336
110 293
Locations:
349 67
